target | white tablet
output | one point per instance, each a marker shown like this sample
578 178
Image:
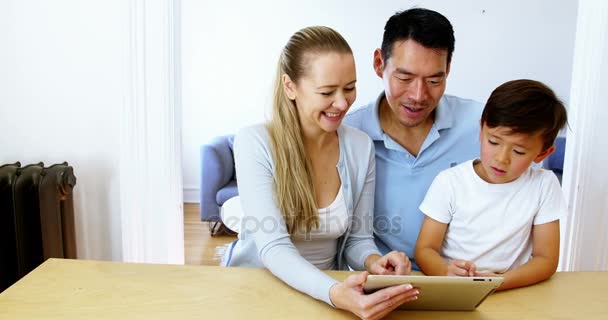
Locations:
440 293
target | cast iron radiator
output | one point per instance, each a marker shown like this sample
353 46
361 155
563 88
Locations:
36 217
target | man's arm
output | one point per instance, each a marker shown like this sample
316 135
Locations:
545 256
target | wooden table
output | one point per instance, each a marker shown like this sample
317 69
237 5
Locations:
78 289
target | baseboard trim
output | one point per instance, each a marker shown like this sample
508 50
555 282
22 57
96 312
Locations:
192 195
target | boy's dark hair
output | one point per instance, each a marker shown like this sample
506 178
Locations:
526 106
429 28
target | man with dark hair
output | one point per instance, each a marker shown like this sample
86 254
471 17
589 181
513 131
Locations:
417 130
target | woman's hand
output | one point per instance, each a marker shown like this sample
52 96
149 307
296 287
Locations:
349 295
394 262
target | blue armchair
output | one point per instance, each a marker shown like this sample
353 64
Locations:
555 162
218 180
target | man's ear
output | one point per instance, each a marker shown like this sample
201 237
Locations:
289 87
544 154
447 69
378 62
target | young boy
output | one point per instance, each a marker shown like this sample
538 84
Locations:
498 216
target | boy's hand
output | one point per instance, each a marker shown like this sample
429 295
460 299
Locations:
461 268
487 274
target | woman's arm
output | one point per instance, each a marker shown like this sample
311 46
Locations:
360 243
264 223
360 249
349 295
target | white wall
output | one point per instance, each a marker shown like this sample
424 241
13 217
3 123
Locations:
62 85
94 83
230 49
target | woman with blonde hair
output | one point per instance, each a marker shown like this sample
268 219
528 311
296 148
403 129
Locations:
306 183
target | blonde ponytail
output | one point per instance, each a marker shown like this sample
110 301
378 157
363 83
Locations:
294 189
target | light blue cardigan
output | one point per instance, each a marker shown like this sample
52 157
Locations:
264 240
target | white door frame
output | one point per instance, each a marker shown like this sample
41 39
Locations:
584 231
150 157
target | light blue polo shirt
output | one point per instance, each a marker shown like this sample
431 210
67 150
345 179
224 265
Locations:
402 179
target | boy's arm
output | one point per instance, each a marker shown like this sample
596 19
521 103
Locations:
428 244
427 254
545 256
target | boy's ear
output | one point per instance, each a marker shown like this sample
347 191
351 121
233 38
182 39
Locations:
544 154
289 87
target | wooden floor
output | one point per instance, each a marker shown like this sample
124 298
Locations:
200 247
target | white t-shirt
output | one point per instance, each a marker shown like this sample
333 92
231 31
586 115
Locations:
320 246
491 224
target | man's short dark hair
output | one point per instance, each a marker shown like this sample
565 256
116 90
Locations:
427 27
526 106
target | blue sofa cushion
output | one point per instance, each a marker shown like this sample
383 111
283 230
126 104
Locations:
217 173
227 192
